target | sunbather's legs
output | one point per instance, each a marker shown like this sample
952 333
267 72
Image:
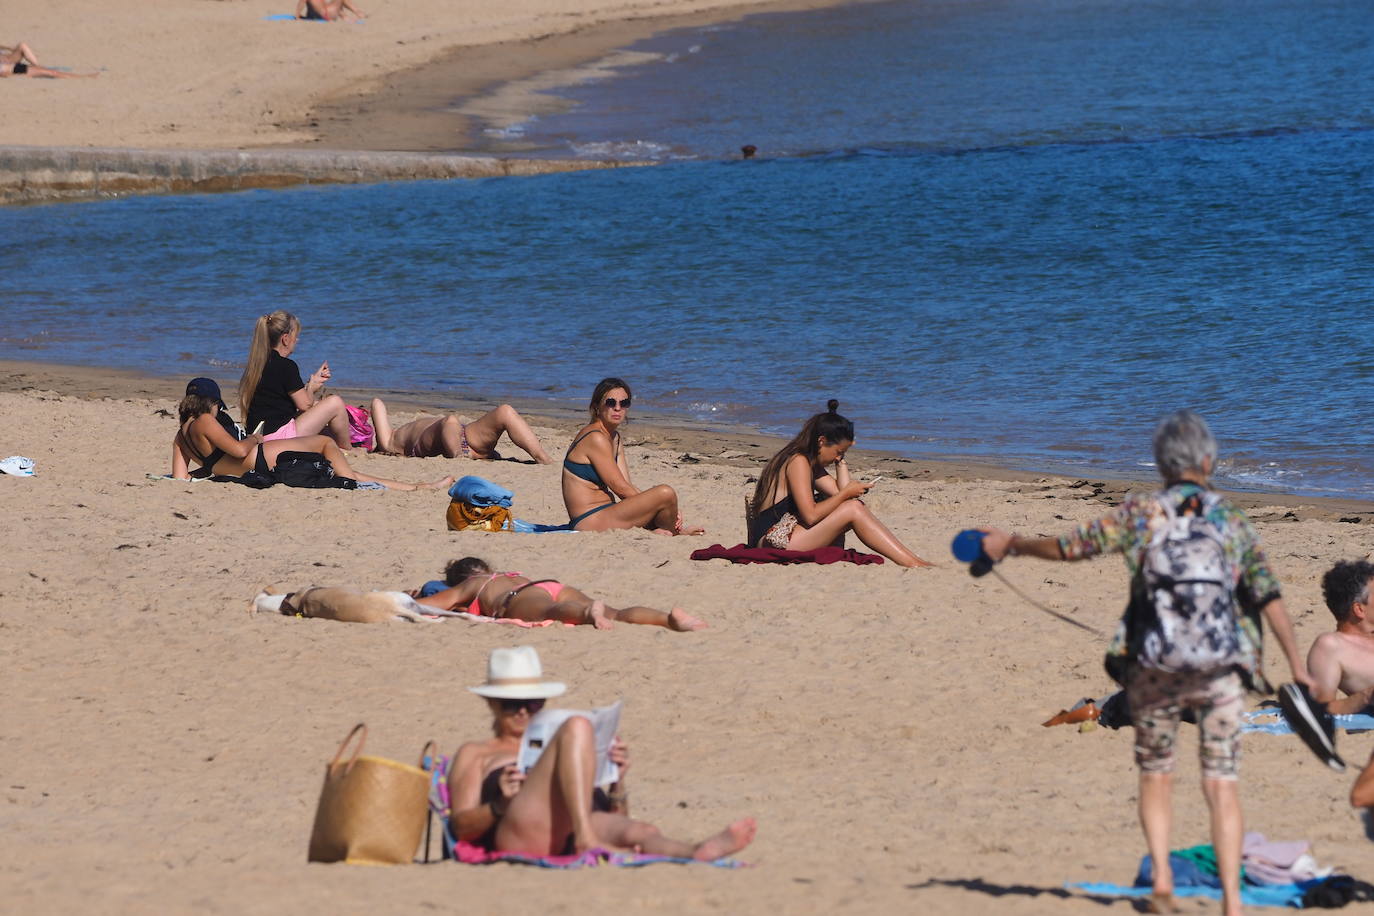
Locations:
1156 818
484 432
556 797
854 515
327 413
625 833
654 508
577 607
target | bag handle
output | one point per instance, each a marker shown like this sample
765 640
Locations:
348 767
428 751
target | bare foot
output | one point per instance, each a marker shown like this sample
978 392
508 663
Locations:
683 622
597 615
1162 903
730 840
443 484
690 529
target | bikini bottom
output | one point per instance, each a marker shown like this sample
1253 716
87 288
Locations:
573 523
552 586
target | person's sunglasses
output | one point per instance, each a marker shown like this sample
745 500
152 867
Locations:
516 705
612 404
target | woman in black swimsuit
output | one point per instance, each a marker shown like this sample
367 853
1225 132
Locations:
554 808
786 512
20 61
596 479
202 439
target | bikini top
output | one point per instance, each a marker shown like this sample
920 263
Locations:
207 462
584 469
476 606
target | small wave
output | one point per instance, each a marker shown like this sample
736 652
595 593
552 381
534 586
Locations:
622 149
514 131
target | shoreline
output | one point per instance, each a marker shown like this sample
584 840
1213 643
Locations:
441 104
725 444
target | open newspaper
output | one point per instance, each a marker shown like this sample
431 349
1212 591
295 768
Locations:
545 724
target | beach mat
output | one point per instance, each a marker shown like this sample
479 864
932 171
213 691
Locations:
1288 895
468 854
1271 722
741 553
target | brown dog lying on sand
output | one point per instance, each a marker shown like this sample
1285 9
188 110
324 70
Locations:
347 604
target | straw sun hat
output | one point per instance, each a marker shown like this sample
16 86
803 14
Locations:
515 674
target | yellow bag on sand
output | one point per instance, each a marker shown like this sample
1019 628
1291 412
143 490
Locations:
372 811
462 516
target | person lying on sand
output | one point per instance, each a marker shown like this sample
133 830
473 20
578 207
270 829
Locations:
450 437
554 808
596 478
21 61
328 10
514 596
1344 660
202 439
798 506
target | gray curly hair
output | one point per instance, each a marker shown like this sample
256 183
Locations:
1183 443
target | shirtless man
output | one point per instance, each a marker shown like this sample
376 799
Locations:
1345 659
431 437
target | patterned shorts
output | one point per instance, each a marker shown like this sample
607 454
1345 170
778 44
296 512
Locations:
1157 699
780 535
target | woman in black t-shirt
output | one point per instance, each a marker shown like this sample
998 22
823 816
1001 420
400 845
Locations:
272 393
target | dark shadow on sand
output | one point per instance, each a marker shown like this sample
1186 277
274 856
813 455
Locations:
978 885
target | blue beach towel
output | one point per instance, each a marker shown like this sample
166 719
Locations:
1271 722
1250 895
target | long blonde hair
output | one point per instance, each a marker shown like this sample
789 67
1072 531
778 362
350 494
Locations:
267 333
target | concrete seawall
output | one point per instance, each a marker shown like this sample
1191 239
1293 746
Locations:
45 173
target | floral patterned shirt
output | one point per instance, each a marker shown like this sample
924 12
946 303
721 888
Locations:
1129 527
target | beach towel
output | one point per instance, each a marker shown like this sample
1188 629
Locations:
465 853
1271 722
741 553
1269 895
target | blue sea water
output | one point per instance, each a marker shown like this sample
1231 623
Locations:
1017 230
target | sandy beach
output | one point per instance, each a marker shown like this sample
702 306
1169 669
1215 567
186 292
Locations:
201 74
163 749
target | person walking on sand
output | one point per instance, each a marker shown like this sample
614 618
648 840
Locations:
1190 637
554 808
514 596
596 478
21 61
798 506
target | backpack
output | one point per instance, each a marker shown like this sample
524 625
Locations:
1191 615
309 469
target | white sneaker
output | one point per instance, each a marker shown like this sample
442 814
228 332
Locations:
17 466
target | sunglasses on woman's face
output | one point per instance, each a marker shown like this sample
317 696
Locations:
612 404
513 706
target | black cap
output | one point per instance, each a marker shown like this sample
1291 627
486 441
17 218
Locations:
205 387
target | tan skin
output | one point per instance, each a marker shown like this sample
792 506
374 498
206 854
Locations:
328 10
240 456
1344 660
432 437
23 54
655 509
824 522
539 811
1156 789
1362 793
536 604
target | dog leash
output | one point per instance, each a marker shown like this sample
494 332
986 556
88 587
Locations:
1051 611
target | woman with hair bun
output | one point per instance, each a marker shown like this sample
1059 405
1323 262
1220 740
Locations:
596 479
271 391
799 506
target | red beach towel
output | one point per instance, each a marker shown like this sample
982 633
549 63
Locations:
823 555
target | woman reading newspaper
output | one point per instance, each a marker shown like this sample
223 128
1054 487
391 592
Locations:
554 808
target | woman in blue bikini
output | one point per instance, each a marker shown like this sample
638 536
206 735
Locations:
596 480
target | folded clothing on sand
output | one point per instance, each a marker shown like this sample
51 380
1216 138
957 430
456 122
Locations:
741 553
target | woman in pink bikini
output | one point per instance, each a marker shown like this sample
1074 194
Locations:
514 596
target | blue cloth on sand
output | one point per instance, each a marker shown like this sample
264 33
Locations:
478 491
1250 895
432 587
1254 722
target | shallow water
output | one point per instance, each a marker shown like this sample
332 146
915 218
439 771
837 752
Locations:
1021 235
